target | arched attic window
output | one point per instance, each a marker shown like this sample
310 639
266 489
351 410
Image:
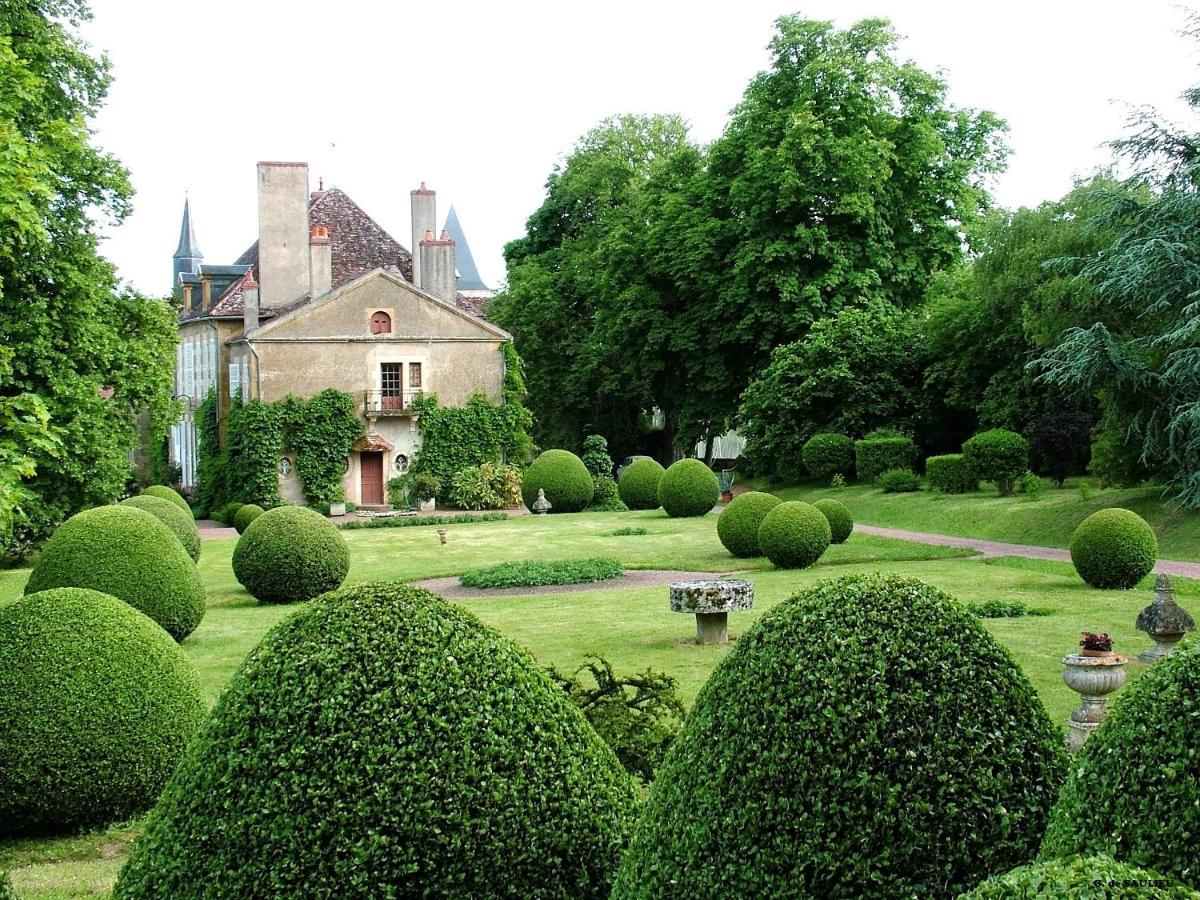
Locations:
381 323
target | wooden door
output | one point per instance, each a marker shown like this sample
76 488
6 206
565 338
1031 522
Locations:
372 478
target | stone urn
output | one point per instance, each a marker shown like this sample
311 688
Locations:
1093 678
711 602
1165 621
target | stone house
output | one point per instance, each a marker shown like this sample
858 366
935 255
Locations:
327 299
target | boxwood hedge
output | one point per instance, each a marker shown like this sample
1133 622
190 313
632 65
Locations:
875 455
96 706
951 473
738 524
688 488
1081 877
828 454
639 483
866 738
565 479
1114 548
998 456
384 743
165 493
290 553
534 573
841 523
899 481
182 525
245 515
794 534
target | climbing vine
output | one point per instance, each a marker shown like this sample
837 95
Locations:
212 466
322 431
254 440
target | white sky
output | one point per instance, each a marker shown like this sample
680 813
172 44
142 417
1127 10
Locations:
481 98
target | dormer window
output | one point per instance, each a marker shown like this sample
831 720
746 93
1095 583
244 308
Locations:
381 323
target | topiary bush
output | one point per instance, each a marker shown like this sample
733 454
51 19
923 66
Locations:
875 455
96 706
1134 789
245 515
182 525
899 481
826 455
606 497
125 552
829 756
1113 548
227 513
564 478
1081 876
595 456
531 573
638 486
162 492
793 535
951 473
998 456
738 524
382 742
290 553
841 523
688 488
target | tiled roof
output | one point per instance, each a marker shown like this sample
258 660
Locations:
473 302
371 441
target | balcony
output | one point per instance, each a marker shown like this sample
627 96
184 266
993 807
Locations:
389 403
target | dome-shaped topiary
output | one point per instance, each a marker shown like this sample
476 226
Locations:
688 488
126 552
827 454
96 706
738 524
383 742
841 523
1134 790
793 535
565 479
245 515
638 486
162 492
1081 876
290 553
1113 548
182 525
998 456
839 751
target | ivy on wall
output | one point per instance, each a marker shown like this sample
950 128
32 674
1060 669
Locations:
322 431
254 442
212 482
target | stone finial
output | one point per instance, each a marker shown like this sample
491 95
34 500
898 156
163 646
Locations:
541 505
1164 620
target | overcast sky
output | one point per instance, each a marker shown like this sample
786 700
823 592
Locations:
480 99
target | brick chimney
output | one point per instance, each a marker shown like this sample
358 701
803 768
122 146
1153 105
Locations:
320 251
187 299
424 219
249 303
283 251
437 266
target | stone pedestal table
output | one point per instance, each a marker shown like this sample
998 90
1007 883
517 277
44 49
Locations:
711 602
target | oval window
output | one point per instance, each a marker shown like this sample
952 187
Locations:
381 323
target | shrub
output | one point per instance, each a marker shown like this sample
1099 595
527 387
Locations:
629 532
998 456
899 481
639 484
182 525
125 552
245 515
1081 876
951 474
96 706
841 523
1004 609
1031 485
564 478
688 488
793 535
486 486
7 891
162 492
827 455
606 498
1113 548
738 524
421 521
227 513
875 455
837 482
828 756
530 573
290 553
595 456
382 742
425 487
1134 790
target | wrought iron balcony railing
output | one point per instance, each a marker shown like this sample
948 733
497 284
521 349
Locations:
389 403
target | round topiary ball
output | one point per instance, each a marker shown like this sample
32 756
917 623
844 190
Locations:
1113 548
290 553
638 486
565 479
738 524
794 534
96 706
162 492
839 749
1134 790
688 488
126 552
182 525
841 523
245 515
1081 876
383 742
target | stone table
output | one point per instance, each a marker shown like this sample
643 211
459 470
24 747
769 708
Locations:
711 602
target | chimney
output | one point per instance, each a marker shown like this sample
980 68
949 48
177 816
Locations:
283 254
437 266
320 254
424 219
187 299
249 303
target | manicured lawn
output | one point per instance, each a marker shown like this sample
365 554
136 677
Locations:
633 628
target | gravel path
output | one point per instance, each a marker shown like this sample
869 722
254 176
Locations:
634 578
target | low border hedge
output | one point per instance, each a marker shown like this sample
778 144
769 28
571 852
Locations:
532 573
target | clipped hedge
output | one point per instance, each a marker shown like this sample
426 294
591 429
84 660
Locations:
384 743
829 756
841 523
125 552
874 456
794 534
1114 548
638 486
687 489
162 492
1081 876
96 706
182 524
565 479
998 456
290 553
738 524
531 573
245 515
951 473
227 513
1134 790
899 481
826 455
